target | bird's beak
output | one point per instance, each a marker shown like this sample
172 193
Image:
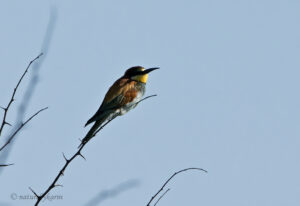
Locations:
150 70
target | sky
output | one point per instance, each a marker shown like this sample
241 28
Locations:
227 101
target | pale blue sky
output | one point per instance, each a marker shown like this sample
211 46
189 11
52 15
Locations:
227 100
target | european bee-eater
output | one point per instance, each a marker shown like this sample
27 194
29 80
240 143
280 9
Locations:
121 97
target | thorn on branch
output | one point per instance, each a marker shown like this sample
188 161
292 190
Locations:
58 185
65 157
81 156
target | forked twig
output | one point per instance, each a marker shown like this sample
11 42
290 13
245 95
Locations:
4 122
176 173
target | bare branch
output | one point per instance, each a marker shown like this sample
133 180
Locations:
176 173
60 173
35 68
14 92
20 127
162 196
68 161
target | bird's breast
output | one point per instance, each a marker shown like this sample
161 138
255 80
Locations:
140 88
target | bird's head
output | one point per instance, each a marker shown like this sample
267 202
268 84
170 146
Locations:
139 73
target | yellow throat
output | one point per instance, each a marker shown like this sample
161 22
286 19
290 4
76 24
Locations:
141 78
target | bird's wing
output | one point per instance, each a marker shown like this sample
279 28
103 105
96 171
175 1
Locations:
118 95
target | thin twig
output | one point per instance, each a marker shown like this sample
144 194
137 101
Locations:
5 165
20 127
153 95
176 173
68 161
4 122
162 196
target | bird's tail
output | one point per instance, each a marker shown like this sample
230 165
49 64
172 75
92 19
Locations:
91 132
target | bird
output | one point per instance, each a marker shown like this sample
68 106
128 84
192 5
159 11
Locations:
122 96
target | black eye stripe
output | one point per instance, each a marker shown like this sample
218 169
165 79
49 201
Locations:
135 73
139 73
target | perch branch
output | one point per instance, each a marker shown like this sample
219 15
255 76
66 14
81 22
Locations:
4 122
176 173
68 161
153 95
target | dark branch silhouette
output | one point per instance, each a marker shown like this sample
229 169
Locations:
22 109
111 193
68 161
6 109
4 122
10 138
176 173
